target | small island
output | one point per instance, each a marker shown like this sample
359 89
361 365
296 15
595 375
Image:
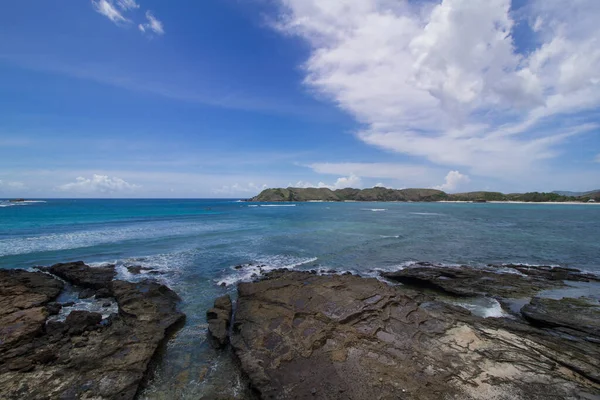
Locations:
420 195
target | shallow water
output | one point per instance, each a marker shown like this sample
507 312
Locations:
196 244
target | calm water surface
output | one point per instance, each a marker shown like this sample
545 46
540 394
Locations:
196 244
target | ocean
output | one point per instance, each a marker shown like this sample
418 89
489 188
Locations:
194 247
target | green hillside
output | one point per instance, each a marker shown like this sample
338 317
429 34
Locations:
384 194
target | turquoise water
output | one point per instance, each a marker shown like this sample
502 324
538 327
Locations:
196 244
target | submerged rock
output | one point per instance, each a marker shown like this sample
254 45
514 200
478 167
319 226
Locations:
219 319
299 335
84 357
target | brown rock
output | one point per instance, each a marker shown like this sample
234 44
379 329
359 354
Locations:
219 320
21 290
80 321
80 358
83 275
472 282
299 335
573 314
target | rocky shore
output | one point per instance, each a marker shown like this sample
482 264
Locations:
49 350
301 335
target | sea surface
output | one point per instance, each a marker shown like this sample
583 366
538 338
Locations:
195 245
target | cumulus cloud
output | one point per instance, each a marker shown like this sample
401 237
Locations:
351 181
444 81
102 184
153 25
454 180
110 11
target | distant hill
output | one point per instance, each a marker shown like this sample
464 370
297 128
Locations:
577 194
349 194
427 195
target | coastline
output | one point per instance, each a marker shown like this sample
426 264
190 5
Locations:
574 203
325 336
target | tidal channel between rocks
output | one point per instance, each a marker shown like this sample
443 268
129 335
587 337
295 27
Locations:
428 331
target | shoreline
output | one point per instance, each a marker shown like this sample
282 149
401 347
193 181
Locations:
296 330
574 203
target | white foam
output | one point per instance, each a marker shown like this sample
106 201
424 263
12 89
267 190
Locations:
484 307
261 265
86 238
278 205
92 305
253 205
374 209
19 203
390 236
425 213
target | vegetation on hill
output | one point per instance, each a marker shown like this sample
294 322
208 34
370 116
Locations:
349 194
384 194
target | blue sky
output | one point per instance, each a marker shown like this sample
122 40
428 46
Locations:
220 98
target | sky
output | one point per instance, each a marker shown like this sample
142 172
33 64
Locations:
222 98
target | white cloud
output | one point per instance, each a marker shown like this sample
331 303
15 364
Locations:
454 180
108 9
237 189
153 24
443 80
115 10
351 181
102 184
374 170
127 4
7 185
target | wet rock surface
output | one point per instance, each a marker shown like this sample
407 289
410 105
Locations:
84 356
80 274
520 281
302 336
219 320
573 314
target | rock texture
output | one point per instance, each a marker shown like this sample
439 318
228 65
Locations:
23 297
83 275
303 336
525 281
572 314
219 320
84 357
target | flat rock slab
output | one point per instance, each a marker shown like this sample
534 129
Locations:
20 290
575 314
83 357
304 336
470 282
